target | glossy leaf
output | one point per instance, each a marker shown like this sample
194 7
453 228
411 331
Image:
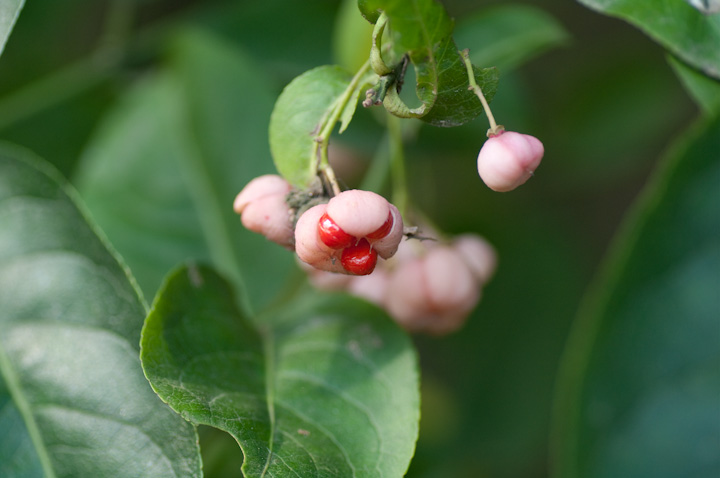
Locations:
9 11
423 30
162 172
327 387
508 35
296 120
685 31
639 392
75 401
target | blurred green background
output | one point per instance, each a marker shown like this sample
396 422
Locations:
605 102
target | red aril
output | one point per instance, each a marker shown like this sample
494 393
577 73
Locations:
359 259
332 235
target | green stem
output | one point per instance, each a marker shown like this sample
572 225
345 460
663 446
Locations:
320 153
397 165
494 127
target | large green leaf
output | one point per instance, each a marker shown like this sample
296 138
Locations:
162 172
9 11
423 30
508 35
19 456
74 399
131 179
326 387
639 392
687 33
296 120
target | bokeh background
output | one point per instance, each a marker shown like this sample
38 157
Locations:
600 95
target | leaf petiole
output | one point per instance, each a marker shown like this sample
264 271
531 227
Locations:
320 152
494 127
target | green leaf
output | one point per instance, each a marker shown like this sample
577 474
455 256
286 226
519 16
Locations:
327 387
508 35
296 120
76 403
162 172
641 376
369 12
132 180
423 30
687 33
19 457
704 90
9 12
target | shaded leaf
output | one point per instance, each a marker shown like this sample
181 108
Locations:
423 30
296 120
327 387
132 180
641 379
704 90
686 32
78 404
19 457
508 35
9 11
161 175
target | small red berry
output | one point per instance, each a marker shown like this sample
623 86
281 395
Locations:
359 259
332 235
383 230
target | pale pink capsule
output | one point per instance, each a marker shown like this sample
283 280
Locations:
434 293
479 255
270 216
405 300
450 284
388 245
267 185
358 212
372 287
509 159
309 247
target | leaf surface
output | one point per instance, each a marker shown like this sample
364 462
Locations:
686 32
508 35
9 11
703 89
162 173
296 120
74 401
327 387
423 30
641 378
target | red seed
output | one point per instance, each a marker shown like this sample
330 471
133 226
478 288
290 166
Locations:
359 259
332 235
383 230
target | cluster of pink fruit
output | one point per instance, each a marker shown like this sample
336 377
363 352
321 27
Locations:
345 235
428 286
